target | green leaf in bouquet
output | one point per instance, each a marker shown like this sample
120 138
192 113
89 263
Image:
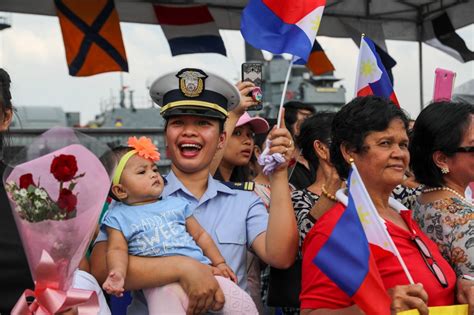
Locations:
71 186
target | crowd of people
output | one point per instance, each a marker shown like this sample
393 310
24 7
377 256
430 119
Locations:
228 237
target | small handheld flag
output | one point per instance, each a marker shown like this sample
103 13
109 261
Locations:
371 76
346 259
374 227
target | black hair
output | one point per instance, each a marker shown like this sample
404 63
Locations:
291 111
439 127
316 127
243 173
355 121
110 161
5 90
240 173
259 141
5 100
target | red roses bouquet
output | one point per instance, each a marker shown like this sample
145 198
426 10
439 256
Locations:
56 193
34 204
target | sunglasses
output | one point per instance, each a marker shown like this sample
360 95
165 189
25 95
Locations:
465 149
431 262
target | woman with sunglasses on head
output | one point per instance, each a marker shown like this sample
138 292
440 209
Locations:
442 158
371 132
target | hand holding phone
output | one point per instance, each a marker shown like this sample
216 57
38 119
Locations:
252 72
443 85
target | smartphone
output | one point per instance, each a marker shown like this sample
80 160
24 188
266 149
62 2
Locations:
252 72
443 85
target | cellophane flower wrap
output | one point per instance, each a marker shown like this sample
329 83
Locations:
57 187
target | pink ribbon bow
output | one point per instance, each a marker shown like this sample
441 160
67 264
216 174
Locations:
49 299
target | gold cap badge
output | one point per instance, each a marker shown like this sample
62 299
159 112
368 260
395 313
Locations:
191 82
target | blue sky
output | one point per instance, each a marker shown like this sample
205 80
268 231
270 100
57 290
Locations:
32 52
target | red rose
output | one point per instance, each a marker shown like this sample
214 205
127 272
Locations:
64 167
67 200
26 180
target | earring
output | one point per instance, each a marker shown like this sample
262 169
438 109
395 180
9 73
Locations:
444 170
351 160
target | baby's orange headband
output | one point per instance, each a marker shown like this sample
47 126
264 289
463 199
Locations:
143 147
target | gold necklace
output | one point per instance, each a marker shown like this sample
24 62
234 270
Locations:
445 188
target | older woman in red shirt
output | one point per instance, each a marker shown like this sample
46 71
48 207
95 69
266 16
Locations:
373 133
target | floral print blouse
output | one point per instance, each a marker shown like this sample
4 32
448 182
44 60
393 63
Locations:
450 223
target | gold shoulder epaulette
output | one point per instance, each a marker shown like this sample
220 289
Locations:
247 186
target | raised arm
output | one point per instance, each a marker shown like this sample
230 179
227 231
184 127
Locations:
331 185
278 246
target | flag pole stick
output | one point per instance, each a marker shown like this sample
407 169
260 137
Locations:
407 273
284 92
358 66
390 240
420 69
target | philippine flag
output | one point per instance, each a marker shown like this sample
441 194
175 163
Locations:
373 225
371 76
345 258
189 29
282 26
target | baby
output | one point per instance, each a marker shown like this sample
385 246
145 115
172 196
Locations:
144 224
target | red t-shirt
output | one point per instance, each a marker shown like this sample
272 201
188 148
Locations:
318 291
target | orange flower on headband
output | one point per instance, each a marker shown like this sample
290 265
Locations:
144 147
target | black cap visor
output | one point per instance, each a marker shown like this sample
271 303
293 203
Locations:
194 111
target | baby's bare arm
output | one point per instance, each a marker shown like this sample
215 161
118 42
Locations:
117 262
204 241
